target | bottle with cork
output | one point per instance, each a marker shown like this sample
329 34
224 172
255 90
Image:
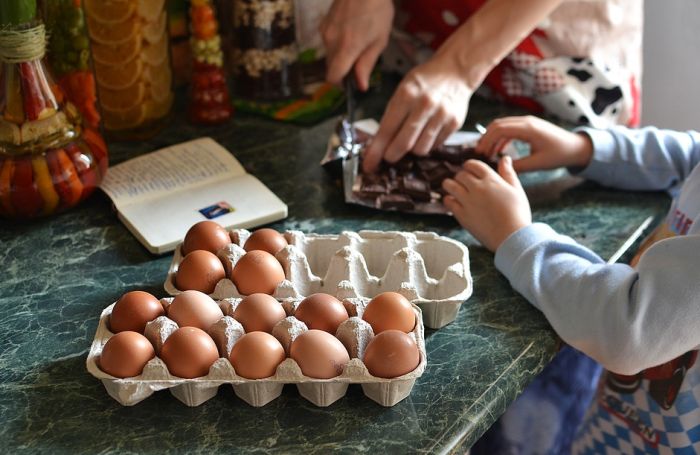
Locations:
49 160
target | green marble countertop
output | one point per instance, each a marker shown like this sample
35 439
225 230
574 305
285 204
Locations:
59 273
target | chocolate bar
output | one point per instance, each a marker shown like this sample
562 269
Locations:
414 180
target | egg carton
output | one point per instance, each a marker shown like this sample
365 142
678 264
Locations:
354 333
431 271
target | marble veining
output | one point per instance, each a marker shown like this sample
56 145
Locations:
59 273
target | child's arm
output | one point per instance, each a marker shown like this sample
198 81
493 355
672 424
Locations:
645 159
626 319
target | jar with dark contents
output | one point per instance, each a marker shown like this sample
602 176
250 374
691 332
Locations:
264 58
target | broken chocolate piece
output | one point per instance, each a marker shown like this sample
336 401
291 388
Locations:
418 189
395 201
405 164
436 175
372 186
427 164
451 153
454 168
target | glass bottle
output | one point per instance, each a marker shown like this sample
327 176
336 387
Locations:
264 58
209 98
129 42
49 161
69 56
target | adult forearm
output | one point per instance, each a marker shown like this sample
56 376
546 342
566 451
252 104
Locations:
491 33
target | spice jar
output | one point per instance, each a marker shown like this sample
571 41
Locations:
129 42
69 56
48 160
209 98
264 58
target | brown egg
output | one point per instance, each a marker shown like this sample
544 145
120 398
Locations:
256 355
133 311
321 311
319 354
390 354
199 270
390 310
194 309
125 354
257 271
259 312
189 353
205 235
266 239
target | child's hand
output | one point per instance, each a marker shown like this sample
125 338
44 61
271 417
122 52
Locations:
489 205
550 146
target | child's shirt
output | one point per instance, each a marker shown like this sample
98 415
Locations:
642 323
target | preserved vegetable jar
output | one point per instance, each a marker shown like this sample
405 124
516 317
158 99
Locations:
264 58
49 161
69 56
129 42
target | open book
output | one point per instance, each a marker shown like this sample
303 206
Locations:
158 196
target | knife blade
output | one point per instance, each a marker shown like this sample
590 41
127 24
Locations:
349 85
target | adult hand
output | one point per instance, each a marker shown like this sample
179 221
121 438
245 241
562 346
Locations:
429 104
355 33
489 205
550 146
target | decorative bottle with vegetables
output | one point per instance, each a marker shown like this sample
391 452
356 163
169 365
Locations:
210 102
69 55
49 160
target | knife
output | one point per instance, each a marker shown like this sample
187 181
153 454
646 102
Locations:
349 84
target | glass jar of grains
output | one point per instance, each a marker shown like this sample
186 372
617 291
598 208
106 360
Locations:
264 58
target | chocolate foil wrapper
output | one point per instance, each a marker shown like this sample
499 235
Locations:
412 185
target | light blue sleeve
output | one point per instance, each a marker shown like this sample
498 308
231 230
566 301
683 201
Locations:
626 319
641 159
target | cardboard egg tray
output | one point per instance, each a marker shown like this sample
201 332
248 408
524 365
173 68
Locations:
431 271
354 333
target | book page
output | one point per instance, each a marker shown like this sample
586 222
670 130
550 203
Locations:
168 170
242 202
